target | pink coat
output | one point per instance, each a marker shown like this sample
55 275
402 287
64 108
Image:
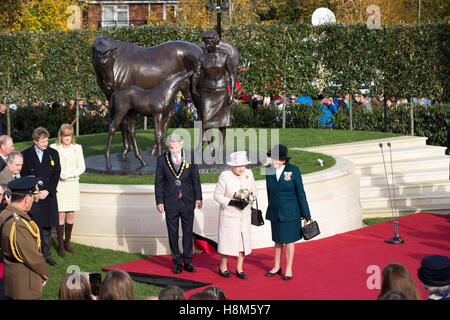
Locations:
234 224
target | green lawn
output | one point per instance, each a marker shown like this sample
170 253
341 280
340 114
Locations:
301 138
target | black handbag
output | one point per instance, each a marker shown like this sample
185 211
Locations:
310 229
257 218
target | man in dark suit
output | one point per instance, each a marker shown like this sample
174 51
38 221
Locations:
6 147
43 163
178 191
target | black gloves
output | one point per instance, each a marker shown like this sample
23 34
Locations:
241 204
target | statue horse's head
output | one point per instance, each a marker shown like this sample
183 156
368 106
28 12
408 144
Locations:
183 80
103 50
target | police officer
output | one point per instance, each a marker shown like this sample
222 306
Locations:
25 269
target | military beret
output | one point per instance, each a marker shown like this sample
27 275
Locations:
24 185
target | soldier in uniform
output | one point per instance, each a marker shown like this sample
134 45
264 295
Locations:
25 269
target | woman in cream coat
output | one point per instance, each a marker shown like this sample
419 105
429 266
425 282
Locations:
68 190
234 214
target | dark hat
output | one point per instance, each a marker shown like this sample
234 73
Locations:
25 185
279 152
435 271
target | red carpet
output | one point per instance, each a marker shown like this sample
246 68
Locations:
330 268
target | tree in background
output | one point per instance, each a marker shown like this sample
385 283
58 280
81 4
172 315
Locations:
34 15
289 11
350 11
194 13
189 12
241 12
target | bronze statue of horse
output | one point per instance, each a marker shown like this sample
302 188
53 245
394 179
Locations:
156 102
119 64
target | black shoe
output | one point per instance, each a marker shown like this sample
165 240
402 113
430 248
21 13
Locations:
177 269
225 274
271 274
241 275
189 267
50 261
285 277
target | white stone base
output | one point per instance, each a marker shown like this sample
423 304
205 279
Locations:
124 217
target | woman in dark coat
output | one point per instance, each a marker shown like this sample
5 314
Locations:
287 205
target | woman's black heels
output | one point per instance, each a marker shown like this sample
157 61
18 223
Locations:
241 275
225 274
271 274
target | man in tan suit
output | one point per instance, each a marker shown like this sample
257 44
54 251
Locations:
25 269
14 164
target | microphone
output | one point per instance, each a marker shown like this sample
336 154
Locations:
396 239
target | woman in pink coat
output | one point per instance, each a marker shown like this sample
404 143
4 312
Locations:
234 213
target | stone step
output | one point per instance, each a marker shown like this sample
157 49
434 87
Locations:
397 155
405 189
404 211
420 176
413 201
369 146
433 164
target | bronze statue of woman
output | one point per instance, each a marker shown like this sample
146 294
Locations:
213 73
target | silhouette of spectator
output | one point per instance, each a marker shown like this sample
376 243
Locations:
434 274
397 277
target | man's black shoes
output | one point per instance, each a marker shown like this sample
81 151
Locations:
177 269
189 267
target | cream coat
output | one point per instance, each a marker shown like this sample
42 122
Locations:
72 164
234 224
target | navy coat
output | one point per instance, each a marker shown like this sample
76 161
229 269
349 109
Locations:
166 192
44 212
286 197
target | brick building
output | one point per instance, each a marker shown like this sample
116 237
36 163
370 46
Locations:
106 13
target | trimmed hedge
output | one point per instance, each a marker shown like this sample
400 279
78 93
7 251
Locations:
402 60
430 121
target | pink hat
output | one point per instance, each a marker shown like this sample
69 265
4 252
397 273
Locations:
238 158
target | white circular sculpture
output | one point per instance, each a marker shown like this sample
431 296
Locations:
322 16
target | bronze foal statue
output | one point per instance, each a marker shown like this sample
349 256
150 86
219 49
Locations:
156 102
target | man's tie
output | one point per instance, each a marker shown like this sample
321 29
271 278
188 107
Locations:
177 158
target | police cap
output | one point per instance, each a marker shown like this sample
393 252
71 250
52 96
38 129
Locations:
25 185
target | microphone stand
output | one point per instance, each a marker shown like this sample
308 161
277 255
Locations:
396 239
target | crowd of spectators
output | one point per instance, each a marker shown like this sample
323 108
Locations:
397 284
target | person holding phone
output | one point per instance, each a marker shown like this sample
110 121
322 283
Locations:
5 197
